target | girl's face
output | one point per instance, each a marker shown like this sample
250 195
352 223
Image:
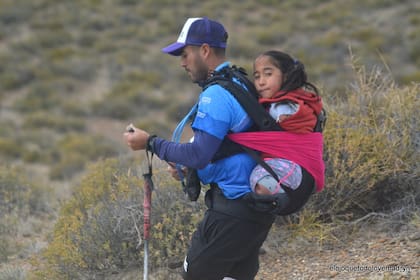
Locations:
267 77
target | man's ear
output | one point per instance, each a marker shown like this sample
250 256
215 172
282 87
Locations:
205 50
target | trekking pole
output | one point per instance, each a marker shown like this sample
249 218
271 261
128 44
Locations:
147 206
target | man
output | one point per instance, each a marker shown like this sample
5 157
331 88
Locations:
227 240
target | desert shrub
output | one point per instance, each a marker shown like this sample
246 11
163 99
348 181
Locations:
371 38
12 273
45 95
73 107
61 53
18 199
100 228
127 2
6 128
133 95
102 46
371 142
242 48
8 229
35 144
71 154
12 12
410 78
86 39
80 68
43 119
414 50
51 94
266 37
97 23
306 226
15 70
9 148
15 78
51 38
330 38
114 108
19 195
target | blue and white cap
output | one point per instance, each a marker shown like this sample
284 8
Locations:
198 31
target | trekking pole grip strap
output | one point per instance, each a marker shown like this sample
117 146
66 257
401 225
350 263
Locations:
150 144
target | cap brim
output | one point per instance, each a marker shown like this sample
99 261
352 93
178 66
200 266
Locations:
174 49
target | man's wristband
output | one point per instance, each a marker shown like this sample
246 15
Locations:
150 142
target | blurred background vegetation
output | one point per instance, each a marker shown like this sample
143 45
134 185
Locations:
73 74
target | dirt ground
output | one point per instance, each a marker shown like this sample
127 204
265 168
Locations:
370 251
368 254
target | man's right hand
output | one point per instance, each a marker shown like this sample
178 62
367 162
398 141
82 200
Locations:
174 172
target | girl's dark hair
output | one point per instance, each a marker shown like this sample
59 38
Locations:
294 74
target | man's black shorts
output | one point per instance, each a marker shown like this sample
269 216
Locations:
225 245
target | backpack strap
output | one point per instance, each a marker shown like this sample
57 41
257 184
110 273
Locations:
321 121
246 94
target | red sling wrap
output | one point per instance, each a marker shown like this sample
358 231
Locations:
303 149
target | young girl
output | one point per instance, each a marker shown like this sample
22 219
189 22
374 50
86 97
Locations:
294 103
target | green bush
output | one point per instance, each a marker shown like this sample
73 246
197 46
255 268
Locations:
101 227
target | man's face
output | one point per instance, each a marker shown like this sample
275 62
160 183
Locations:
193 63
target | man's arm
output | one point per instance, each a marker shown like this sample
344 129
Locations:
196 154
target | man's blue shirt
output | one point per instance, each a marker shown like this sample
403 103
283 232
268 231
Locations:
218 114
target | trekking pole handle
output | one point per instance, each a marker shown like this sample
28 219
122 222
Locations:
130 128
